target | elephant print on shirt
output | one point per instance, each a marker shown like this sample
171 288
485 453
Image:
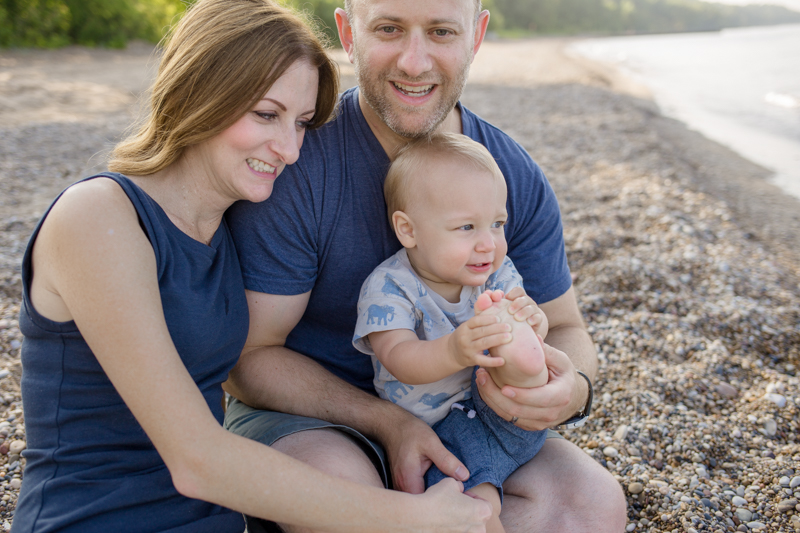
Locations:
377 314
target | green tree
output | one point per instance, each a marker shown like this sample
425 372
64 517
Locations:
37 23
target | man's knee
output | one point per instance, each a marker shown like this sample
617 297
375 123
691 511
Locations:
571 490
333 452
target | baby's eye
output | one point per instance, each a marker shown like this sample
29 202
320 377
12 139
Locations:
466 227
499 224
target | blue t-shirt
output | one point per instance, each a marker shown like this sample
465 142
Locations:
90 465
325 228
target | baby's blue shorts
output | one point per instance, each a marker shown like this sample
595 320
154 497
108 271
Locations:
491 448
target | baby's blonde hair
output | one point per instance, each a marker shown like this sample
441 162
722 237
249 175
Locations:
398 189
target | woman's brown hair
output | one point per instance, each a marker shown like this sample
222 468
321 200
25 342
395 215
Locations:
221 58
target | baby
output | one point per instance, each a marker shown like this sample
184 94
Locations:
428 314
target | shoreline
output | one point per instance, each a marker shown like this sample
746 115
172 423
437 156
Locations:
767 212
683 262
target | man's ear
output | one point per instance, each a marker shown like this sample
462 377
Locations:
345 31
404 229
480 31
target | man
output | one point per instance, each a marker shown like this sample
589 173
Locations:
307 250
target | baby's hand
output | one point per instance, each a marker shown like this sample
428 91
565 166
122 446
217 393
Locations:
525 309
479 333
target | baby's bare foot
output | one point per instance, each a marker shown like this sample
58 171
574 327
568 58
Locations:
524 355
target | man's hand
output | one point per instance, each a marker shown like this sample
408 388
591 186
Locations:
563 395
412 447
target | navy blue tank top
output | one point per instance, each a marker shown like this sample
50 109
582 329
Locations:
90 465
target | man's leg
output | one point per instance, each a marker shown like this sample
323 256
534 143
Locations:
336 450
332 452
563 490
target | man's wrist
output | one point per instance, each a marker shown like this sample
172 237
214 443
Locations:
387 419
581 416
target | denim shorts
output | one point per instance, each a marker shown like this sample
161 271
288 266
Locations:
491 447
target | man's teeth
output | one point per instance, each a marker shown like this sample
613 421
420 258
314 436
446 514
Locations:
260 166
422 90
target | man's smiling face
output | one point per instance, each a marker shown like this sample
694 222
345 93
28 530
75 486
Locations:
412 59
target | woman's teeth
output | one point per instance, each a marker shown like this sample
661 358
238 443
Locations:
260 166
413 91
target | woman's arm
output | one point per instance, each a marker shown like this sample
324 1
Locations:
92 255
270 376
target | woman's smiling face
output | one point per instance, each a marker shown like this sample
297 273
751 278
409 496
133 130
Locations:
246 158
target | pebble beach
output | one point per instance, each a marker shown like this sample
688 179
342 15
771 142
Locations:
684 259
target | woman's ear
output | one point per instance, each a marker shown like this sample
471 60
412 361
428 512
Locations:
404 229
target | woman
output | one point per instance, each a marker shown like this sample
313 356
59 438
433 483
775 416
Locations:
134 307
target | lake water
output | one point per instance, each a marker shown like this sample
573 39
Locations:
739 87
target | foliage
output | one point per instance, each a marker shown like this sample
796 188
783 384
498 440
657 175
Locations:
634 16
38 23
53 23
321 13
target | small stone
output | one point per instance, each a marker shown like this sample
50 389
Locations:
787 505
17 446
621 433
784 481
15 483
4 449
756 524
726 390
744 514
795 482
610 451
630 527
738 501
770 427
736 433
635 487
777 399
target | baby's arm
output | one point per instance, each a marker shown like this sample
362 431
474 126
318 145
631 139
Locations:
415 361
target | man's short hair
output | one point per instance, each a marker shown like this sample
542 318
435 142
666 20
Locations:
410 162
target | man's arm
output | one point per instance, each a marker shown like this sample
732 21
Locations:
270 376
569 348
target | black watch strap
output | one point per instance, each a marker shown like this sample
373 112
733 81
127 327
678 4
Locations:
580 418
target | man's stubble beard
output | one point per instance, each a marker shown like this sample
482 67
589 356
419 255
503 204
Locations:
392 115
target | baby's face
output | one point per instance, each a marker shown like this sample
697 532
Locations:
458 224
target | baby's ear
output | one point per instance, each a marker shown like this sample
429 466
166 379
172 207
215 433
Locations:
404 229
